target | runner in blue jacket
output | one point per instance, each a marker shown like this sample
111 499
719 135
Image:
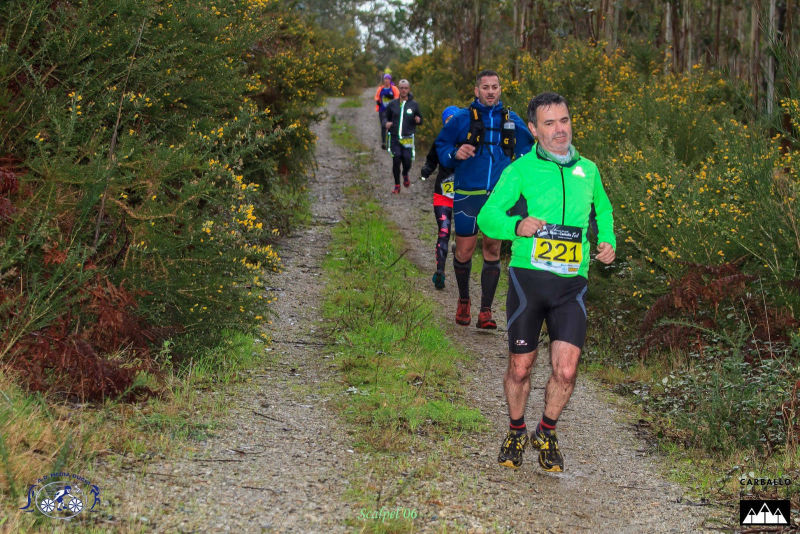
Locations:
479 142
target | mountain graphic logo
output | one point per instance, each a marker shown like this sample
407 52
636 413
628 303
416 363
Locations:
769 512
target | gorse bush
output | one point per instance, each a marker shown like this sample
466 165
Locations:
690 178
151 154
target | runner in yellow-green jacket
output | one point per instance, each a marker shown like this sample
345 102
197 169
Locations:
548 269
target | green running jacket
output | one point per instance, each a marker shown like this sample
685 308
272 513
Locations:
554 193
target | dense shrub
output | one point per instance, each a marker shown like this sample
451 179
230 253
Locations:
151 153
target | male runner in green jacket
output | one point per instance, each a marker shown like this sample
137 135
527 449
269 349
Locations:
548 269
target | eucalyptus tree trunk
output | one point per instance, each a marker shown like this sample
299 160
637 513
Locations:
688 37
739 67
518 18
669 35
772 41
717 27
755 51
523 9
789 73
705 33
527 26
542 27
678 50
609 23
477 7
469 38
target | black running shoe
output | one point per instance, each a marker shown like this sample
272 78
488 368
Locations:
549 456
512 449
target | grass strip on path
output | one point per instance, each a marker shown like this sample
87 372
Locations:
398 367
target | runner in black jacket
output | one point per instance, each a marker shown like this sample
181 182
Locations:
442 202
402 117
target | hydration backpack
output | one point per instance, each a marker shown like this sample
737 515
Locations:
477 131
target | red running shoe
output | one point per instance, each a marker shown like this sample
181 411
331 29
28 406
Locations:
462 312
396 189
485 319
406 182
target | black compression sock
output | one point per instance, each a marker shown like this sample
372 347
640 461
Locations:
518 425
490 275
546 425
462 271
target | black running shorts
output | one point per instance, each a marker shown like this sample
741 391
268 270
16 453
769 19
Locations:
536 296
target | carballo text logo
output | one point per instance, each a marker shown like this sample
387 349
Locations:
62 495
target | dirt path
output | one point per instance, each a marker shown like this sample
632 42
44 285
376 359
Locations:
281 461
610 484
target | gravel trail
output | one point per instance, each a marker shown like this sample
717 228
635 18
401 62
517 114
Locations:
281 459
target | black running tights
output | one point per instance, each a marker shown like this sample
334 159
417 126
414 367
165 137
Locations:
444 216
404 158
